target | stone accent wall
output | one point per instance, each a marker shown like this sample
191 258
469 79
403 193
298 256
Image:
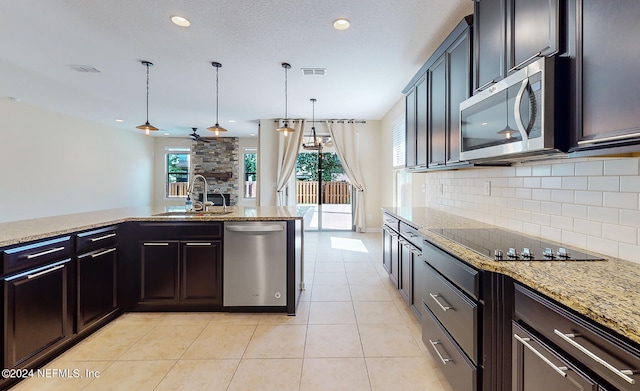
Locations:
219 162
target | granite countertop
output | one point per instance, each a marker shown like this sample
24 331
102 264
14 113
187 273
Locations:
604 291
27 230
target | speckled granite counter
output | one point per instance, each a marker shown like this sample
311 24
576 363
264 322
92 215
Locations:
34 229
604 291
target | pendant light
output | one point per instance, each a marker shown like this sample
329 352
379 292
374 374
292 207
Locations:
217 128
285 129
147 126
311 142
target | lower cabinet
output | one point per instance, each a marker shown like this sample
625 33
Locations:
178 272
97 286
537 366
36 313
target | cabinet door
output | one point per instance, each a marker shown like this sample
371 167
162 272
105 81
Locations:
437 112
489 44
201 273
36 313
159 272
421 122
459 88
406 260
537 367
97 285
410 124
534 30
395 260
386 249
608 64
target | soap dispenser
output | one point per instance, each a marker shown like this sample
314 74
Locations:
188 205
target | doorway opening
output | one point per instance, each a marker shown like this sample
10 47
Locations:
321 184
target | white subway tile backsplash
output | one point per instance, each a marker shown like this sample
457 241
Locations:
593 203
575 183
605 215
589 168
575 211
563 169
630 183
620 233
604 183
621 167
588 198
620 200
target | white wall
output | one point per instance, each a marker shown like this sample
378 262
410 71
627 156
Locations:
387 173
54 164
590 203
267 162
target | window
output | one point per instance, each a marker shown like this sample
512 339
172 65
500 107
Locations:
399 146
177 173
250 171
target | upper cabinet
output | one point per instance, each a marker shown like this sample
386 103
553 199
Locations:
509 34
606 84
433 103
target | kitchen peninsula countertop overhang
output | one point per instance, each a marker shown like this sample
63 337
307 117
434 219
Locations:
34 229
603 291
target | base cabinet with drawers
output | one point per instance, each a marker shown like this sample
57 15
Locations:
566 351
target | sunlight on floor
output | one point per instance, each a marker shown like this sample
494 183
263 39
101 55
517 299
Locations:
348 244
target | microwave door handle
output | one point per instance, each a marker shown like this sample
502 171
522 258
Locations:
516 110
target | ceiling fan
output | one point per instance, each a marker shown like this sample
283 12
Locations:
196 137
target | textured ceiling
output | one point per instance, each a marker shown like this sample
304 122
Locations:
367 65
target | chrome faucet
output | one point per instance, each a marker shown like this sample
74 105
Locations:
224 202
205 202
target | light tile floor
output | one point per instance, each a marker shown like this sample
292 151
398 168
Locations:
352 332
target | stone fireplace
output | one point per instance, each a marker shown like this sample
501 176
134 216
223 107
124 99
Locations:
219 162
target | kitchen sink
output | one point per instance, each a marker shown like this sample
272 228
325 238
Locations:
195 213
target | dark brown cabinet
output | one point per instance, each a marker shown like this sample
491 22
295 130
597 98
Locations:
536 366
489 42
608 103
433 103
509 34
37 316
159 272
96 275
181 266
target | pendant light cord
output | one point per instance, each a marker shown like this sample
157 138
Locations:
217 71
147 65
286 116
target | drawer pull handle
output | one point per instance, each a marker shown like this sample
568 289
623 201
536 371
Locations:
156 244
103 252
53 250
623 373
103 237
560 370
30 276
444 360
435 298
198 244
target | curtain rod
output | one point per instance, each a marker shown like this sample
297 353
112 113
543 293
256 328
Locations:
351 121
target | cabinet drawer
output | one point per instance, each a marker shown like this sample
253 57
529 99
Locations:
172 231
457 313
465 277
390 221
36 253
97 238
459 371
411 235
605 353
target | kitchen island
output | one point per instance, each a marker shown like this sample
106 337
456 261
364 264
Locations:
66 276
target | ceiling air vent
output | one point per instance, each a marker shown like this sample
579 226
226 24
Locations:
313 71
85 68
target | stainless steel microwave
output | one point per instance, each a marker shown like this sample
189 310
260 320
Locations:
514 119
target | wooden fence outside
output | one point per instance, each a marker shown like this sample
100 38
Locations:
334 192
178 189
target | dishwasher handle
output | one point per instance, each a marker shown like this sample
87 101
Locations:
255 229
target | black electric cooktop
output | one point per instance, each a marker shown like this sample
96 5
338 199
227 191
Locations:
503 245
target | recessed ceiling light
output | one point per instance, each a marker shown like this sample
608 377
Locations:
341 24
232 120
252 134
119 120
167 134
180 21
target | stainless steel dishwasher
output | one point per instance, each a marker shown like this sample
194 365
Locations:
255 263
